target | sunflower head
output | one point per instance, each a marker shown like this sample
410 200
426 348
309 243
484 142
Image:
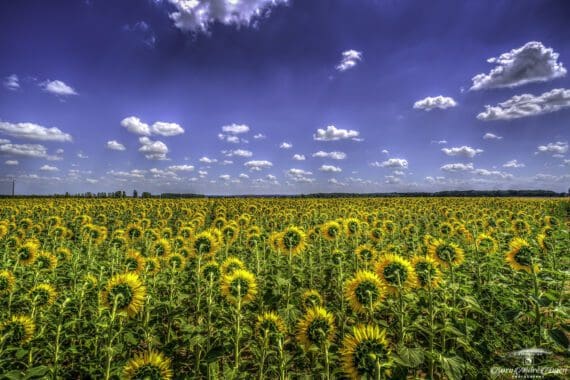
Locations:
231 264
352 226
521 256
175 261
364 292
150 365
204 244
152 266
486 244
337 257
7 282
18 330
376 234
396 272
311 298
331 230
270 325
545 242
364 352
292 240
427 272
27 253
46 261
160 248
365 253
239 287
446 254
63 254
134 261
126 291
211 271
43 295
316 327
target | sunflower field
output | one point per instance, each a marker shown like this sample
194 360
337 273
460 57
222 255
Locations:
282 288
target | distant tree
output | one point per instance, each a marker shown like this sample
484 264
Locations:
135 194
146 194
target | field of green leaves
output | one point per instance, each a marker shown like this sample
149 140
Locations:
375 288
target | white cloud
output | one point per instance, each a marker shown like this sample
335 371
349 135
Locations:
133 174
286 145
134 125
12 82
243 176
80 155
91 180
333 155
235 129
457 167
197 15
58 87
558 147
385 151
25 150
513 164
532 62
439 142
299 157
181 168
391 180
115 145
492 173
300 175
238 153
429 103
332 134
229 138
227 162
259 136
11 162
48 168
153 150
463 151
207 160
257 165
393 163
350 59
526 105
330 169
225 177
33 131
491 136
166 129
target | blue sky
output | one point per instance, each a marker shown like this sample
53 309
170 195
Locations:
275 96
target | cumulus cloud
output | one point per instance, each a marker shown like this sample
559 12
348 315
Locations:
12 82
243 176
48 168
391 180
350 58
457 167
332 155
33 131
11 162
153 150
439 142
333 133
225 177
392 163
133 174
134 125
286 145
115 145
259 136
235 129
513 164
257 165
300 175
166 129
181 168
491 136
238 153
492 173
206 160
24 150
463 151
526 105
429 103
532 62
299 157
197 16
559 147
58 87
330 169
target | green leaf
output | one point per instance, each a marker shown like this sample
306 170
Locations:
36 372
409 357
453 367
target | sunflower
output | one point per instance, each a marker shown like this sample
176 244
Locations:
63 254
292 240
152 266
176 261
150 365
365 252
254 241
331 230
239 286
364 352
230 265
486 244
396 272
427 272
520 227
274 241
446 229
229 233
7 282
521 256
204 244
160 248
19 330
27 253
186 232
364 291
133 232
127 291
211 271
316 327
545 242
352 226
134 261
311 298
337 257
43 295
376 234
270 325
446 253
46 261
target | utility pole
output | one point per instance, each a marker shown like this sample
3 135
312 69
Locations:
13 186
